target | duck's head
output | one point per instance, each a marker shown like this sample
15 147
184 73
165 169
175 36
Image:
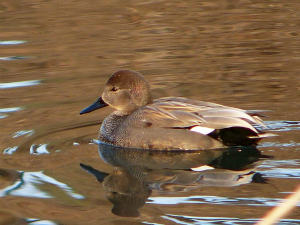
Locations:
126 91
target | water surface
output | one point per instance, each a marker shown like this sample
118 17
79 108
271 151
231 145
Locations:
55 58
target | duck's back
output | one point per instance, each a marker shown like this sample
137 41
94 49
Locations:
180 123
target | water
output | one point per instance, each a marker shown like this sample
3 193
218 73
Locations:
55 60
19 84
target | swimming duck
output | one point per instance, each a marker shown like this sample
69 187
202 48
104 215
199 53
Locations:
171 122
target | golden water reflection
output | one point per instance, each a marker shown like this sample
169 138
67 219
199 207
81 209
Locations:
238 53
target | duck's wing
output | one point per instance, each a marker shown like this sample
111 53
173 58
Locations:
185 113
195 103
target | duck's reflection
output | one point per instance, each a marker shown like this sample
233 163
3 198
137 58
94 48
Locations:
126 192
138 172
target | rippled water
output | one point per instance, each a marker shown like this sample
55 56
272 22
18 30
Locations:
55 58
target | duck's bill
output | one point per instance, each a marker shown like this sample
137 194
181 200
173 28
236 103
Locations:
96 105
98 174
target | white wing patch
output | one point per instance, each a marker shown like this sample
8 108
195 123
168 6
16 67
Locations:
202 168
202 130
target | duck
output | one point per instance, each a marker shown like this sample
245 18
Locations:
170 123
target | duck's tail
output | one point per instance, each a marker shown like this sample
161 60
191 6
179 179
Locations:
263 135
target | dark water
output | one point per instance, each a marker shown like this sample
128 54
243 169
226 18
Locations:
55 57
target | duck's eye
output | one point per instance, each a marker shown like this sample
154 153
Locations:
114 89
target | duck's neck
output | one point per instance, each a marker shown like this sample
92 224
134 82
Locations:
129 109
109 125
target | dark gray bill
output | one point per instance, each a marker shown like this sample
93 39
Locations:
96 105
98 174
